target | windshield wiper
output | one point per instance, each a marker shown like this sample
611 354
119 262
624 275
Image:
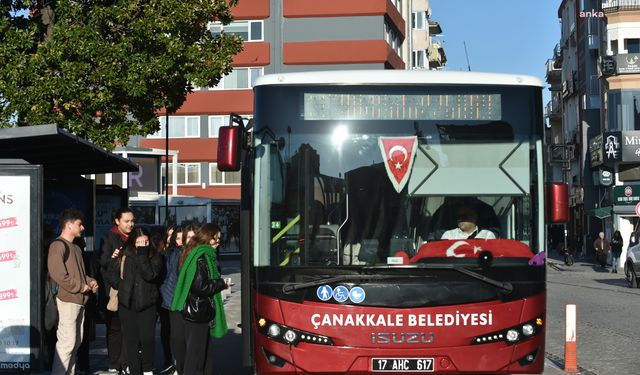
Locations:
506 286
292 287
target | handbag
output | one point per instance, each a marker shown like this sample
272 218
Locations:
112 305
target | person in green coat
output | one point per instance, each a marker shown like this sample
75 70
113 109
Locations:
197 297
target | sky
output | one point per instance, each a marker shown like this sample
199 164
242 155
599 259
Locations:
503 36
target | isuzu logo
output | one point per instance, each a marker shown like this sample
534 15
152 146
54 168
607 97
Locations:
402 338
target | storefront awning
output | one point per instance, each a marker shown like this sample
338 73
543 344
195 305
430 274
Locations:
601 212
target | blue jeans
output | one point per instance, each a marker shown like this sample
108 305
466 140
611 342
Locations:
614 261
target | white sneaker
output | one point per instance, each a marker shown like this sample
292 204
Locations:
112 371
147 373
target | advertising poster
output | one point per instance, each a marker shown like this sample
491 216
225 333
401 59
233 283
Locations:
15 299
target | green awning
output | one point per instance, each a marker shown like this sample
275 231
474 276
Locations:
601 212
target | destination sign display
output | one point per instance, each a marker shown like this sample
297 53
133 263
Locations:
328 106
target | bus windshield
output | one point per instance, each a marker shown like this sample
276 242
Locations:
363 176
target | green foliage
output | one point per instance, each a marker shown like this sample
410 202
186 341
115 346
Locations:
102 69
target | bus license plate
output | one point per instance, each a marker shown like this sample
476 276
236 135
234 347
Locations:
402 364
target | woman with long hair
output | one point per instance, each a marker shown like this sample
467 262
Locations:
172 257
197 297
616 250
138 268
164 247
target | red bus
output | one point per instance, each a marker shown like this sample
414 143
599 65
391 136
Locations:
392 222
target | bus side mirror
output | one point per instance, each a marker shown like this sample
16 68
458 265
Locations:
231 141
559 203
229 148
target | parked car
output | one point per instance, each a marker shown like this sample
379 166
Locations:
632 266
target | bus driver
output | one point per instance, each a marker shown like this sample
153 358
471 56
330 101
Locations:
467 217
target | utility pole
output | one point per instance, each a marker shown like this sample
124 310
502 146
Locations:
467 55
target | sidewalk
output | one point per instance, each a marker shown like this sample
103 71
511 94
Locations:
556 261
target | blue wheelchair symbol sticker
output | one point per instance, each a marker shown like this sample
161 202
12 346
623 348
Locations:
357 294
340 293
324 292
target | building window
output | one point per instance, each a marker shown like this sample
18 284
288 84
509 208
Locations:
623 110
239 78
391 36
419 20
215 122
419 60
632 45
188 173
250 31
398 5
222 178
179 127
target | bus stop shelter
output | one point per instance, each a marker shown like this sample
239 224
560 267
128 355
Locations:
41 170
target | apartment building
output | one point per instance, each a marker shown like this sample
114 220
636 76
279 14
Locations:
594 117
573 117
621 115
279 36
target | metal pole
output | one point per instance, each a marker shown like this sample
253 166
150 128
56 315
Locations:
166 169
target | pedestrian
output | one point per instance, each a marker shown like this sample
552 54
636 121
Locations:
66 268
171 255
197 296
123 219
136 270
160 240
602 247
616 250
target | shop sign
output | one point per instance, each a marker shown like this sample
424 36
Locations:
626 195
612 147
628 63
596 151
621 147
605 178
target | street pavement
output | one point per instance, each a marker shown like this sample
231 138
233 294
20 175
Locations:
607 311
229 349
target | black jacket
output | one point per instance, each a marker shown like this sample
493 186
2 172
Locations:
199 306
110 242
139 287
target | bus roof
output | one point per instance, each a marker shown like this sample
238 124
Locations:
387 77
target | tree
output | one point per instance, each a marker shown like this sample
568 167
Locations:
103 69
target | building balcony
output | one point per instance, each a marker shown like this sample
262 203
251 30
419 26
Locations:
552 109
557 56
434 28
611 6
553 73
436 56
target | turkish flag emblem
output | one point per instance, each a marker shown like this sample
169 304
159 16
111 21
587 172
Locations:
398 154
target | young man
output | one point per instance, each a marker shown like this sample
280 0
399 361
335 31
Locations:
73 293
114 239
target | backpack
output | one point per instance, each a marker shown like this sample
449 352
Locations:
51 292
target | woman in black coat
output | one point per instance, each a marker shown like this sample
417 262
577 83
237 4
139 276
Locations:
138 268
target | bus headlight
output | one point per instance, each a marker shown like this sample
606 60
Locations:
528 330
290 336
274 330
512 335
